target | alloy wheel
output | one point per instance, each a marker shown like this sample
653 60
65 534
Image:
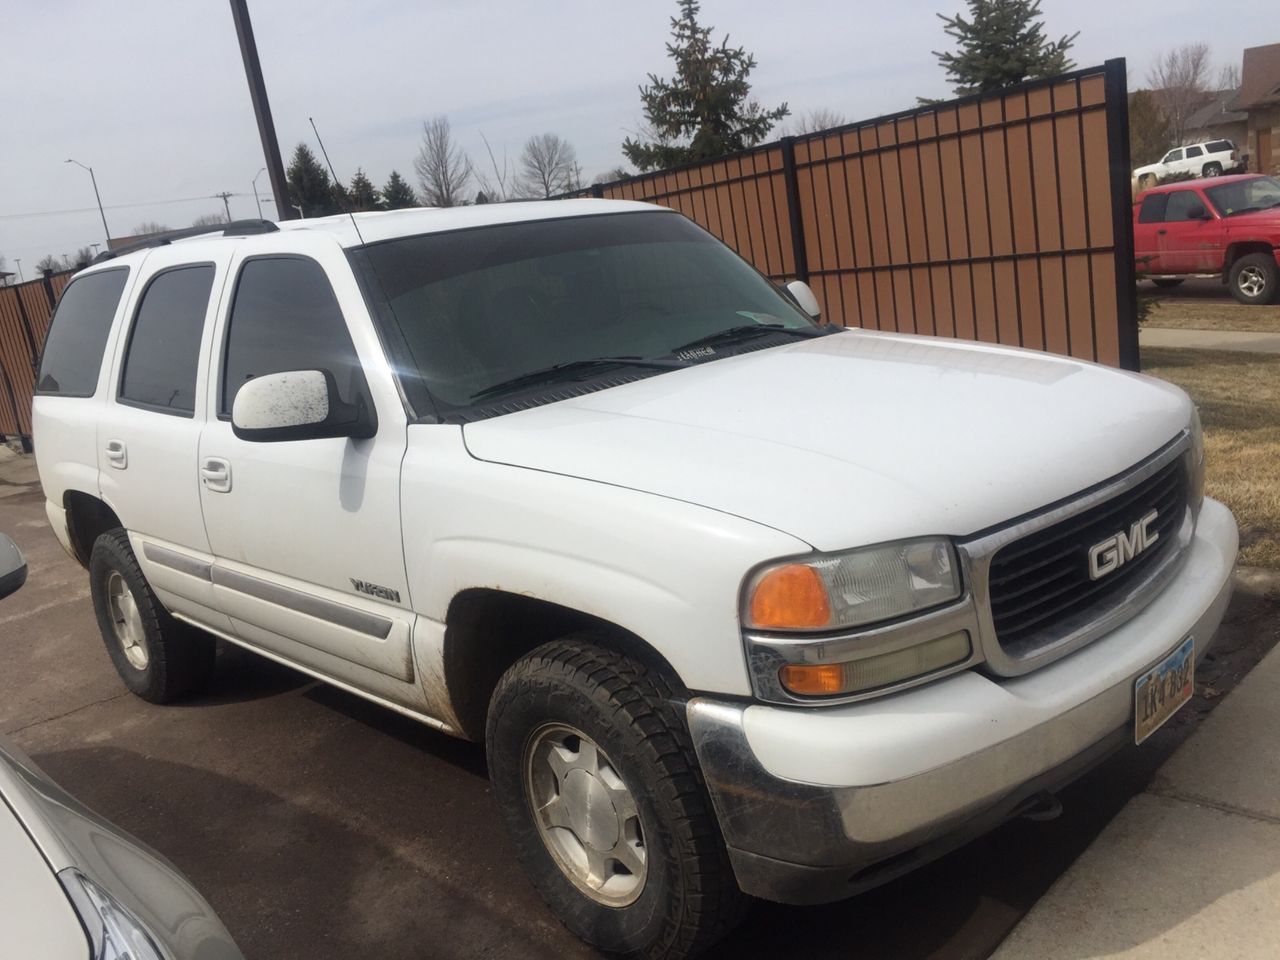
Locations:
126 622
586 814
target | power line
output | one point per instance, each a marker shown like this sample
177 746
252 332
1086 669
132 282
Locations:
117 206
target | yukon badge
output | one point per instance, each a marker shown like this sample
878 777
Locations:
373 590
1119 548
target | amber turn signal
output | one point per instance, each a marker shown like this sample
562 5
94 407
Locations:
814 679
788 598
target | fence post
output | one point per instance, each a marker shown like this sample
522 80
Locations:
793 207
597 190
48 291
1117 107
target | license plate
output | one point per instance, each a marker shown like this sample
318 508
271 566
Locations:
1159 692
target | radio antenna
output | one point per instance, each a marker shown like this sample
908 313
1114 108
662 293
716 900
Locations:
336 182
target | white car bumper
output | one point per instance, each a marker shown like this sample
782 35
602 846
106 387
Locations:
817 804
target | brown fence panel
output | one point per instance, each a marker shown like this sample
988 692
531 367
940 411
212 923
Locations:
1003 218
25 311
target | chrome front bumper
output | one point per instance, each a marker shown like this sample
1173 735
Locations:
818 804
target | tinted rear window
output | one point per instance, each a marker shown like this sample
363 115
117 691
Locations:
1152 210
78 335
164 347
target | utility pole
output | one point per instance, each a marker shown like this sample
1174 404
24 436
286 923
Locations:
261 108
225 202
96 196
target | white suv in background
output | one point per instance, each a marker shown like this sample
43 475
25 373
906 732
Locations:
738 603
1210 158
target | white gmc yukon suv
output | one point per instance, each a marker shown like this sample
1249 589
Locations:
738 603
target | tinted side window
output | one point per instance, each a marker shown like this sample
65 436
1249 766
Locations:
164 346
1220 146
78 337
1179 203
286 317
1172 155
1194 152
1152 209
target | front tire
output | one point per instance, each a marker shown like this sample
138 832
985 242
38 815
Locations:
1254 278
603 799
157 657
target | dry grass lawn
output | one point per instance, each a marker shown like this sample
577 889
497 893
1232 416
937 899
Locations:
1211 314
1239 399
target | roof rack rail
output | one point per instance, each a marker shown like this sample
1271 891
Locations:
236 228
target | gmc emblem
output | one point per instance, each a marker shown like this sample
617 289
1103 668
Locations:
1119 548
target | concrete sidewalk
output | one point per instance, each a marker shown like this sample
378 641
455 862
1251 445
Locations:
1190 867
1247 342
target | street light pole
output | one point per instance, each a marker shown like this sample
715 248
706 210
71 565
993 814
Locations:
298 207
97 196
18 261
255 190
261 108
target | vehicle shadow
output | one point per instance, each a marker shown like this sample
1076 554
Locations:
290 880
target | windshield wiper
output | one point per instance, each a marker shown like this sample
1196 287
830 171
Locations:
561 371
747 331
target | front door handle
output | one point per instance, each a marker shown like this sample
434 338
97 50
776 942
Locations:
1162 232
117 454
215 474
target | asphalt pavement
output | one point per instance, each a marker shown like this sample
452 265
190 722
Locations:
320 826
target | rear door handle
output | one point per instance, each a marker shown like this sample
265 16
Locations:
117 454
215 474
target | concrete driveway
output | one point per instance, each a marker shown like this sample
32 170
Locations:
320 826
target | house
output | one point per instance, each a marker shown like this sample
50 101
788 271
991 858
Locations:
1216 120
1259 100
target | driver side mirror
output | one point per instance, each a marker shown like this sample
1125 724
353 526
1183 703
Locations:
299 405
1196 211
13 567
804 298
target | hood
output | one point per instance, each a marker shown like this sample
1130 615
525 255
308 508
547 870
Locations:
854 438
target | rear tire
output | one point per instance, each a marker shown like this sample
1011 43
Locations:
1167 281
1254 278
1212 170
673 893
157 657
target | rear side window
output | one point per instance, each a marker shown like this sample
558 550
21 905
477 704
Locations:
1220 146
1194 152
1179 203
164 346
1152 209
285 317
78 335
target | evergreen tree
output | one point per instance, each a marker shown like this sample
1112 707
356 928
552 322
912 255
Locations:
705 110
309 184
1002 43
1149 136
397 194
363 194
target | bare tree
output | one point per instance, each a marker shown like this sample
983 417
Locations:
548 166
49 264
1229 76
209 220
148 227
1180 81
823 118
444 170
616 173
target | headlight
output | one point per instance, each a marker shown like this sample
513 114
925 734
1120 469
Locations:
1195 495
839 590
114 934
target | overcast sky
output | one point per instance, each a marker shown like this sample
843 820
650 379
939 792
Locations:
152 93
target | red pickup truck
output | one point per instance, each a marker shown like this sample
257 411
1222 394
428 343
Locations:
1223 226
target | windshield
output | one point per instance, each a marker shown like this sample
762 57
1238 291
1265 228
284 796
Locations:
1245 196
475 313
